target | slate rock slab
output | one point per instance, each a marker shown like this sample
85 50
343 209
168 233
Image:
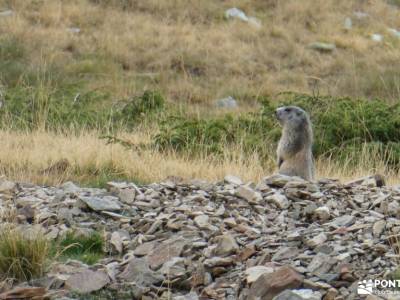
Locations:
87 281
105 203
138 271
268 285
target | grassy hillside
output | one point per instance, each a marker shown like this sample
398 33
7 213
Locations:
191 53
144 75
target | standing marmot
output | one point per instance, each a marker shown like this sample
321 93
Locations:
294 148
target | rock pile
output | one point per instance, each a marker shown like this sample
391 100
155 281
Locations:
283 238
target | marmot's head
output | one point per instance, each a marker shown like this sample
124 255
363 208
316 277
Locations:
292 115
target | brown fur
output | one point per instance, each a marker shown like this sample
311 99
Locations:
295 146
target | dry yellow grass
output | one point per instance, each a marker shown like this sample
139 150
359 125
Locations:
24 156
186 49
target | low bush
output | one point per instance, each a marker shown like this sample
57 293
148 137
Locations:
342 126
214 136
140 108
339 122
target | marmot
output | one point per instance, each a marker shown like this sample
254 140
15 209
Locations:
294 148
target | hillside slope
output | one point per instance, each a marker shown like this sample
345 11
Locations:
189 51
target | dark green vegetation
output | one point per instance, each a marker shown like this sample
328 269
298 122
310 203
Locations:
213 136
65 107
343 127
88 249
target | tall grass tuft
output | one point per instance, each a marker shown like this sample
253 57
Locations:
22 257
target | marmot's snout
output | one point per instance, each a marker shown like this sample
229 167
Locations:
280 112
293 114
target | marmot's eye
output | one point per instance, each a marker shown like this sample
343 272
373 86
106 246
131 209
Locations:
287 109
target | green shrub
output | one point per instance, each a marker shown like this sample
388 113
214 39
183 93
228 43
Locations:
339 122
342 127
140 107
206 136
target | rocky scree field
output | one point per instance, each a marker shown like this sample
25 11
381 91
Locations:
283 238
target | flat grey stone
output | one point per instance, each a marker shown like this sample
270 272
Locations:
104 203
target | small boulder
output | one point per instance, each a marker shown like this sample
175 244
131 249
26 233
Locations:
301 294
6 13
231 179
228 102
248 194
378 228
322 47
138 271
322 213
317 240
226 245
165 251
268 285
279 200
279 180
253 273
